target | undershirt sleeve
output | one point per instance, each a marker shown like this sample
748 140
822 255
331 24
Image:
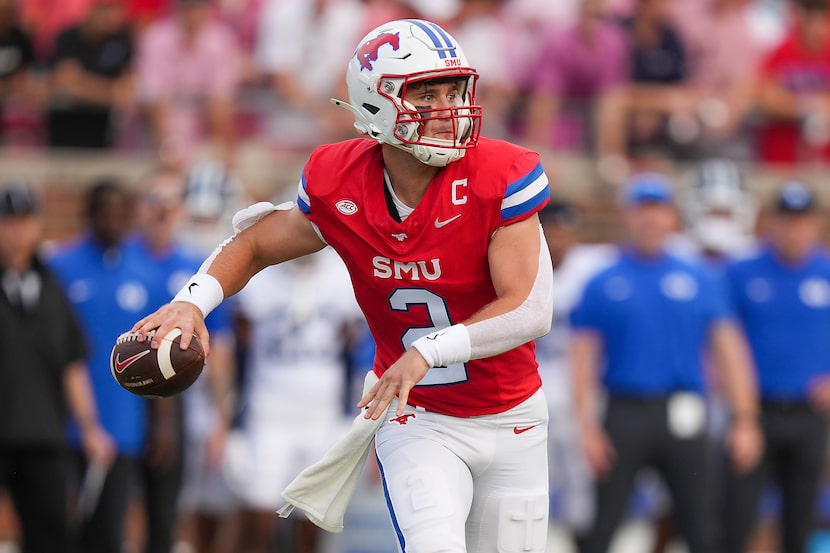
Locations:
528 321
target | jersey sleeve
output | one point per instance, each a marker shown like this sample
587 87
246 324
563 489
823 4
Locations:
588 311
528 190
732 286
716 304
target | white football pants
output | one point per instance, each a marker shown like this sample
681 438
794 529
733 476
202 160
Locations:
467 485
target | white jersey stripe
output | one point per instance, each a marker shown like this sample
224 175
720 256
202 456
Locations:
526 193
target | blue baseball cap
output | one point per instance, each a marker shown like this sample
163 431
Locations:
648 187
795 197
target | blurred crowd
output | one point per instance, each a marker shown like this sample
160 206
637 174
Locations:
617 79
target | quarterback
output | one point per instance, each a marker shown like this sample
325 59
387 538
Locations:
439 231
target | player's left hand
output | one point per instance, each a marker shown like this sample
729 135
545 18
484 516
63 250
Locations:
745 443
398 380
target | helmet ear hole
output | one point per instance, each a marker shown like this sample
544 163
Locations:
371 108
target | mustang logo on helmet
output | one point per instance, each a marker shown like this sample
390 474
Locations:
368 51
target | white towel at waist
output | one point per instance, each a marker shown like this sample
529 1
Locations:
323 490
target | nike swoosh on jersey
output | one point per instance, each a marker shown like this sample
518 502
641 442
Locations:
439 223
517 430
121 365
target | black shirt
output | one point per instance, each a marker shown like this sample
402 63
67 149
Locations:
16 52
662 63
72 123
36 346
109 58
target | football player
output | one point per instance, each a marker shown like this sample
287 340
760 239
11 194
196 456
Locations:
438 228
719 213
300 318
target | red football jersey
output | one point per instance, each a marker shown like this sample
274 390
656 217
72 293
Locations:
429 271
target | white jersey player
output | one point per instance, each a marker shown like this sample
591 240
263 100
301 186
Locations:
573 265
211 195
719 214
301 317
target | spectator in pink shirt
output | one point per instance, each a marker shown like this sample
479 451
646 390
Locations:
724 51
582 66
305 71
188 73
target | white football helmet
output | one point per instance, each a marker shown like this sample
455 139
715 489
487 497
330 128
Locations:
208 189
390 59
720 212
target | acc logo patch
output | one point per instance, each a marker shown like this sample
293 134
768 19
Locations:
346 207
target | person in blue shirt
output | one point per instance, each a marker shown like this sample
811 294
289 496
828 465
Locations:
782 296
107 284
573 264
639 332
181 472
719 218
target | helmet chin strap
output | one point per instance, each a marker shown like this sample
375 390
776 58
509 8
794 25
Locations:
434 156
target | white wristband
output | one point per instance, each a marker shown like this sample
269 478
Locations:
203 291
445 347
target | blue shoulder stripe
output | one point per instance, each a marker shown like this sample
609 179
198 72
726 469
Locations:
525 194
303 201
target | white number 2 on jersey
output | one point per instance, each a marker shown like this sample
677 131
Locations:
400 300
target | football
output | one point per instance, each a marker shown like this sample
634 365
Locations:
150 373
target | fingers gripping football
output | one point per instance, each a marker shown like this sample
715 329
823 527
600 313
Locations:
177 315
162 372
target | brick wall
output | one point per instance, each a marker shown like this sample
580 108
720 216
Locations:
265 173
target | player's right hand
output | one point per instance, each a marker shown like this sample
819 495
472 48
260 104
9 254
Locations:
179 314
598 450
99 447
